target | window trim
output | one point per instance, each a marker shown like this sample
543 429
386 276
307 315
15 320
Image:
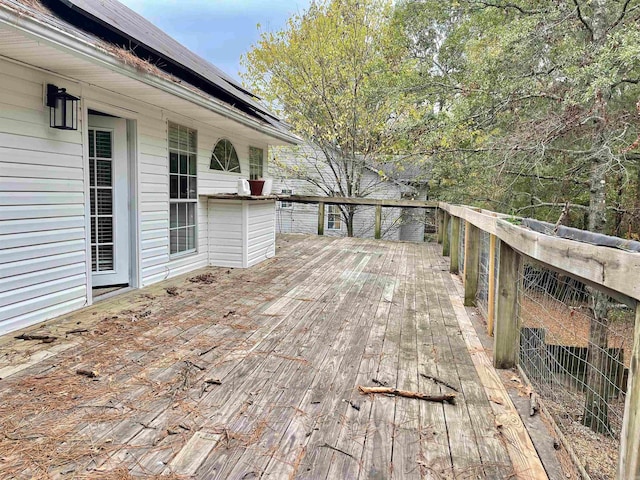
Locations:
251 163
338 212
223 170
179 201
284 204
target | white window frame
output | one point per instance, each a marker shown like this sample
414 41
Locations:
192 155
334 215
256 165
283 203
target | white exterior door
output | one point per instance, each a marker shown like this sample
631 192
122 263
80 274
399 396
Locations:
109 199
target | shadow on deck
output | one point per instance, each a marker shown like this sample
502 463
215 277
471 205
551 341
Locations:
253 374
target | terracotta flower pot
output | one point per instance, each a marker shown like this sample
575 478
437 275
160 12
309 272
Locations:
256 187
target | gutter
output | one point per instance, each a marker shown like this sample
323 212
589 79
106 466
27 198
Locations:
78 47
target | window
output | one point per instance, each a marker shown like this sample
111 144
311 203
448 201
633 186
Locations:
255 163
183 189
101 200
224 157
334 218
286 191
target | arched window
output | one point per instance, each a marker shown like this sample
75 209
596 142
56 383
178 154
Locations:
224 157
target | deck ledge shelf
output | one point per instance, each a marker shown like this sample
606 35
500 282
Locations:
235 196
242 229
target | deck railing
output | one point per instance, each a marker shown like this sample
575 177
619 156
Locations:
379 204
565 313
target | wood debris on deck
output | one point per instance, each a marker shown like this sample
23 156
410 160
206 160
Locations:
254 373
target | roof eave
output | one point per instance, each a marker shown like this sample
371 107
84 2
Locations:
80 48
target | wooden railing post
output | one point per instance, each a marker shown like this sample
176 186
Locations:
507 331
471 263
439 225
454 241
378 228
321 218
629 463
491 300
445 234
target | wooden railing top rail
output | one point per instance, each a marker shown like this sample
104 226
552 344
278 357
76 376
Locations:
358 201
614 270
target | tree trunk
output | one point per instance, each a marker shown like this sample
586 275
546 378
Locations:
350 215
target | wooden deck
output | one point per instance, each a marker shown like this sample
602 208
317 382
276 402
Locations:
289 342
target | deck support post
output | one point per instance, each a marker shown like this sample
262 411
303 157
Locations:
491 309
445 234
507 329
439 225
471 263
454 241
378 228
321 218
629 463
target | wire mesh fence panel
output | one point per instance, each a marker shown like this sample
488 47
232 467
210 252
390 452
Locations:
461 246
575 348
482 293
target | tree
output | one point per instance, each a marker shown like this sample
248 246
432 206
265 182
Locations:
325 75
533 107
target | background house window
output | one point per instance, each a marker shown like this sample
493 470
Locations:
334 218
256 162
183 189
286 191
225 157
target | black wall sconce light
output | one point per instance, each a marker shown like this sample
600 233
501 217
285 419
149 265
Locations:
63 108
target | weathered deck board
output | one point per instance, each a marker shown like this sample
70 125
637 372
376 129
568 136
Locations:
290 340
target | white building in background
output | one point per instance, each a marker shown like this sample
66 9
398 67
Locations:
291 169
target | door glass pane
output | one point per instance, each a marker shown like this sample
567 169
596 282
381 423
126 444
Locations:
103 144
103 173
105 257
105 201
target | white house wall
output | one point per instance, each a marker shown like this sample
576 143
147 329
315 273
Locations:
42 216
261 240
43 270
226 234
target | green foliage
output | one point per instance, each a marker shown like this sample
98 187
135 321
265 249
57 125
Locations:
528 104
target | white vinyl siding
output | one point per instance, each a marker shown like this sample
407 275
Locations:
261 240
226 232
43 237
42 211
241 233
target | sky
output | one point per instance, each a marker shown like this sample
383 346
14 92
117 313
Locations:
218 30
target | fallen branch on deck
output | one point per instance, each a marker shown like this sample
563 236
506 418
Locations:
437 380
448 397
44 338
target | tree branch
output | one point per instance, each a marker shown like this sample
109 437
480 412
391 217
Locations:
582 19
